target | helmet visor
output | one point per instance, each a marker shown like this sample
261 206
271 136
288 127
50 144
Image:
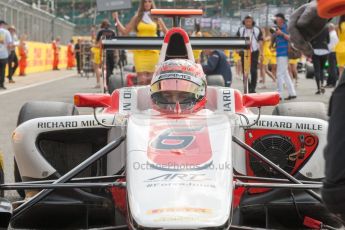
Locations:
165 94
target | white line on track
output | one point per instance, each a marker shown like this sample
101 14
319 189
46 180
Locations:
34 85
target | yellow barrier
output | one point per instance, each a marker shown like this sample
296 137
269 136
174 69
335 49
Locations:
40 58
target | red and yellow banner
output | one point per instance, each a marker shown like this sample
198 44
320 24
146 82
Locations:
40 58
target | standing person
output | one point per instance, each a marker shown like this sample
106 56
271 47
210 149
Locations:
261 62
23 54
282 38
5 43
107 33
340 48
12 58
96 60
56 51
254 33
321 52
145 26
77 50
70 55
269 58
332 59
217 64
197 33
272 60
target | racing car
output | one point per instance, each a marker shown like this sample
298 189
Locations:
177 154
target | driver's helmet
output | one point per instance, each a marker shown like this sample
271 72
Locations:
178 86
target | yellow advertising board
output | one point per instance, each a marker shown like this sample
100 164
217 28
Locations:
40 58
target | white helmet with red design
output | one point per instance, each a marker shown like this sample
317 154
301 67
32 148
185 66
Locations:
178 86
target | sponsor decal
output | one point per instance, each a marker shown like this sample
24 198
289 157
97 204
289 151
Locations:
182 67
179 177
227 101
179 209
89 123
68 124
181 76
126 96
181 219
290 125
180 180
181 184
307 126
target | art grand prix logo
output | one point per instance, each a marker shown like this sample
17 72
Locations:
179 146
190 180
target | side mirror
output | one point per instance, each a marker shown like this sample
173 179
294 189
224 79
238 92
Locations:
261 99
92 100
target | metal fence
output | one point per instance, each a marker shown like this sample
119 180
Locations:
37 24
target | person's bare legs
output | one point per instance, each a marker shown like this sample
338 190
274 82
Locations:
294 72
239 69
270 74
262 73
291 72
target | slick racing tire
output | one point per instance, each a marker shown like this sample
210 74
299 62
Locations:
310 109
215 80
37 109
115 82
309 70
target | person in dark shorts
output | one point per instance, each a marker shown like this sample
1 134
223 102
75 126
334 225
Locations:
107 34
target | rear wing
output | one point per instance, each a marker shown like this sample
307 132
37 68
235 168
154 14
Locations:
149 43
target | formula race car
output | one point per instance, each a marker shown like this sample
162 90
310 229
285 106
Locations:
177 154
